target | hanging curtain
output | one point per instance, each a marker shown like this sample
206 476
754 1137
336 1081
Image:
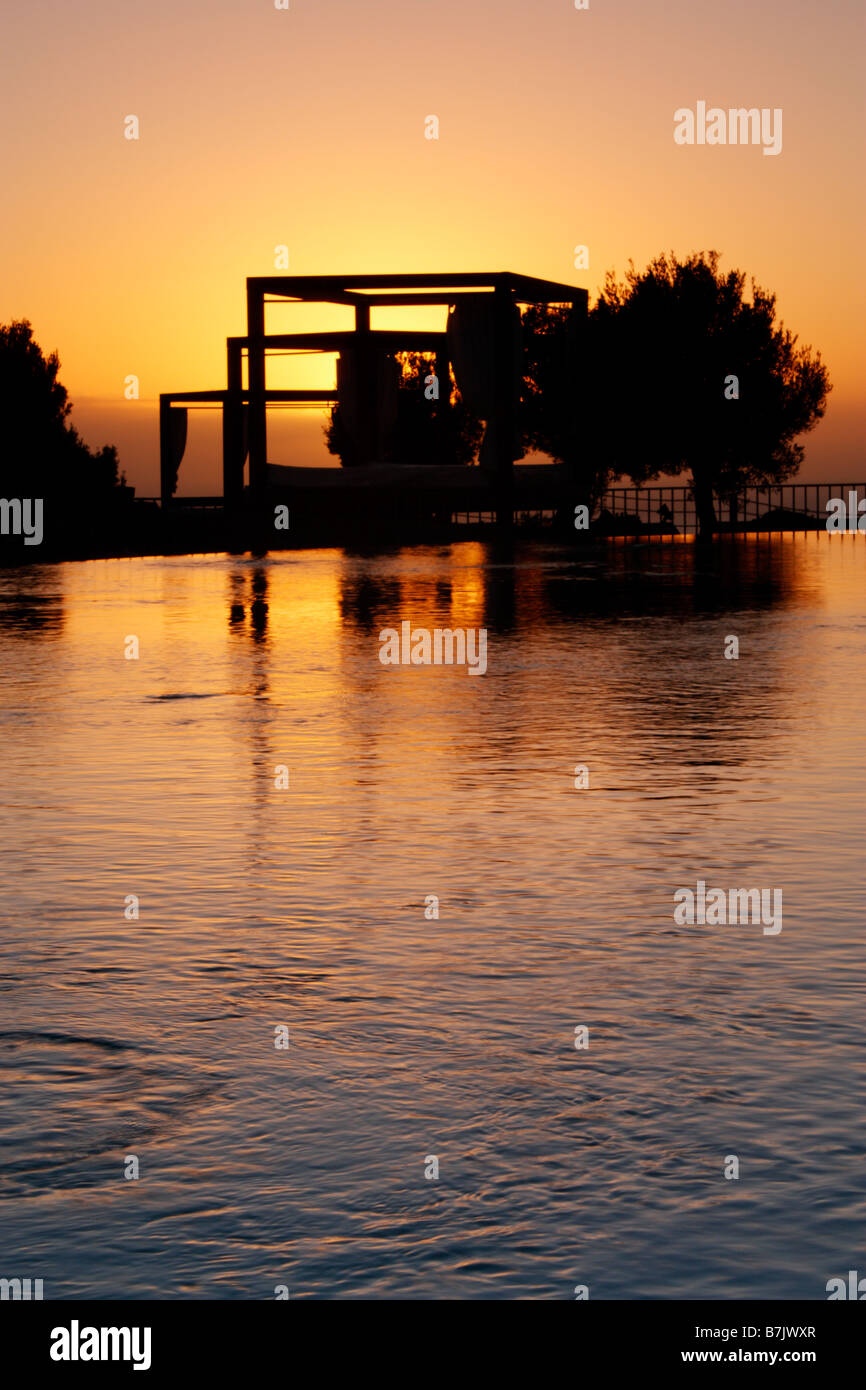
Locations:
177 431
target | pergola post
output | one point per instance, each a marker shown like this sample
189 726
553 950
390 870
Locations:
366 383
258 419
573 402
166 470
442 369
575 340
233 431
505 412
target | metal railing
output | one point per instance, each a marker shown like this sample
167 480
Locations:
661 510
786 507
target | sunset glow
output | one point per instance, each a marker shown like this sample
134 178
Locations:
305 128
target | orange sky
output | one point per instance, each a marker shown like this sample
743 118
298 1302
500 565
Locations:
305 127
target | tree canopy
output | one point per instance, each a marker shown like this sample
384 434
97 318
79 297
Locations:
42 454
680 372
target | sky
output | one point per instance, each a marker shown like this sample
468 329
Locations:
305 128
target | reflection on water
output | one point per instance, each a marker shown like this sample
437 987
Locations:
262 906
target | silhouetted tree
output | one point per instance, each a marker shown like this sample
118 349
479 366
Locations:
425 430
42 455
663 347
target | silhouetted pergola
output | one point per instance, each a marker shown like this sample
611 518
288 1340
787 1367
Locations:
244 409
